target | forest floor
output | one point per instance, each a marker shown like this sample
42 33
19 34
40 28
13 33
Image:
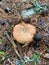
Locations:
38 50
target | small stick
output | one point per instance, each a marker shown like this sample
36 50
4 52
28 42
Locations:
14 45
19 49
26 44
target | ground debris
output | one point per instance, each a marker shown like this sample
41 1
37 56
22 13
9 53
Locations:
33 12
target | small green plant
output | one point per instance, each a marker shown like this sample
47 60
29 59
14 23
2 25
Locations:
35 9
2 53
36 58
3 58
38 7
23 63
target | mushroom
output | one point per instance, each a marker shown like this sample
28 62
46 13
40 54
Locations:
24 32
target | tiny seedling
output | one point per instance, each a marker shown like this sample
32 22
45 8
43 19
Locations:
23 63
36 58
3 58
2 53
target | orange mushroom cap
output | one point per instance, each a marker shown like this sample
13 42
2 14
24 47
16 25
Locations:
24 33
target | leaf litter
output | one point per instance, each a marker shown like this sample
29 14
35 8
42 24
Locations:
18 11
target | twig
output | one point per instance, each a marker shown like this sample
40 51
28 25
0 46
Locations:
19 49
14 45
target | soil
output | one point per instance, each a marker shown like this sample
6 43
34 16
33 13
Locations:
10 15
